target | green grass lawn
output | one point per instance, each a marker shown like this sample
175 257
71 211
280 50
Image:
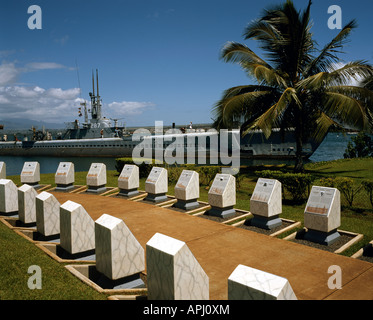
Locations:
17 254
359 168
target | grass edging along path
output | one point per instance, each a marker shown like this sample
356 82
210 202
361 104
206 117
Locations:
18 254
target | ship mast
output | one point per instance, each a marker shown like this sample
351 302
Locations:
97 121
95 99
98 100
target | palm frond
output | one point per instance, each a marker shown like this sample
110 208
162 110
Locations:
241 101
269 76
328 55
362 94
345 110
253 65
367 82
344 75
323 123
240 53
273 116
237 106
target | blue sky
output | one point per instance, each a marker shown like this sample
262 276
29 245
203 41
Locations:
157 59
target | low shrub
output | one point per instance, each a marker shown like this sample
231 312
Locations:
297 184
207 174
328 182
144 168
346 186
174 173
368 187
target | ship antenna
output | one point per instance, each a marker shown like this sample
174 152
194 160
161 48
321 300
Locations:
84 104
97 82
98 98
77 71
93 99
93 84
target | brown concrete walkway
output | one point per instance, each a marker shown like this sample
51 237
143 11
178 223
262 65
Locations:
220 248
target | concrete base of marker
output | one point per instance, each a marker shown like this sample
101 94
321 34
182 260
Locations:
129 282
132 286
84 255
96 189
267 223
22 224
9 214
160 197
14 222
186 204
224 213
64 187
325 238
33 235
128 193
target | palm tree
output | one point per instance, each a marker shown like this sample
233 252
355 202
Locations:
368 83
298 86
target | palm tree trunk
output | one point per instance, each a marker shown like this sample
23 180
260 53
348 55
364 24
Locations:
299 143
299 159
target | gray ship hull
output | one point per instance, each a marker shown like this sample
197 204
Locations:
105 147
253 146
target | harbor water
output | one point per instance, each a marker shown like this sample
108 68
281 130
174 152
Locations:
332 148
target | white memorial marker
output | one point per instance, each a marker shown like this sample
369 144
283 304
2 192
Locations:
322 215
65 176
77 228
156 185
2 170
222 196
31 173
47 214
128 181
118 253
247 283
173 273
96 178
266 204
187 190
8 197
27 204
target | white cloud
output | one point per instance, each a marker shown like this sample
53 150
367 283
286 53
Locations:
23 92
52 105
3 100
43 66
58 93
55 105
129 108
8 73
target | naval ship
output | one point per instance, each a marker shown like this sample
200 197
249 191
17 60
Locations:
99 136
